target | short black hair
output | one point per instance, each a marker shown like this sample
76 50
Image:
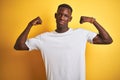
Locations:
65 6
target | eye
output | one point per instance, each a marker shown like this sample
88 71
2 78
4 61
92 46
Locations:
59 14
66 15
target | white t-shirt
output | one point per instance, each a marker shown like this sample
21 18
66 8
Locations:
63 53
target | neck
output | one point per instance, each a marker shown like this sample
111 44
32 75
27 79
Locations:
62 29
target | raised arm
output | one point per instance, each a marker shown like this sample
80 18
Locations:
20 42
103 36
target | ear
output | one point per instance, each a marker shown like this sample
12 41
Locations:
55 15
70 19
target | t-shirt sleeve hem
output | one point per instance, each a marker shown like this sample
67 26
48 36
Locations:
30 49
93 38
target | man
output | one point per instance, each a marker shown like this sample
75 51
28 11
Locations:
63 50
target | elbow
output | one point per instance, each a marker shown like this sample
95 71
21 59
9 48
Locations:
20 47
109 41
17 47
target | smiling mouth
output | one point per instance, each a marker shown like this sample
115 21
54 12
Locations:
61 22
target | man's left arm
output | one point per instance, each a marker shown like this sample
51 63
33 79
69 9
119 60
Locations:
103 36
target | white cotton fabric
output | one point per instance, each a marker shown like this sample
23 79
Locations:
63 53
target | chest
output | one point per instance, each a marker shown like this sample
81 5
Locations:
64 43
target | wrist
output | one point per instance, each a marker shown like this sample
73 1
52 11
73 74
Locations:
30 24
92 20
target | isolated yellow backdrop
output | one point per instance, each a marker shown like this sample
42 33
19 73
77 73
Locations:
103 61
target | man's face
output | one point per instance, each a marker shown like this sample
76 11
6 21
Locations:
63 16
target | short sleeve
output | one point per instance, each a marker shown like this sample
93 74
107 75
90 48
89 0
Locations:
33 43
90 36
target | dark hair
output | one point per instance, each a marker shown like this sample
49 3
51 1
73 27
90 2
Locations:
65 6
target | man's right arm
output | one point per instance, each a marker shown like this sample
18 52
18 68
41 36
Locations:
20 42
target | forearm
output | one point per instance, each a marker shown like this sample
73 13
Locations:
20 43
103 34
103 37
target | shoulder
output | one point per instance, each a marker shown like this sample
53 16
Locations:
42 35
84 32
81 30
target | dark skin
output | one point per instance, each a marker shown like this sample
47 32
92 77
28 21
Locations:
63 17
20 43
103 37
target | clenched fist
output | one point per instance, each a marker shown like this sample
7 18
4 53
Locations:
86 19
35 21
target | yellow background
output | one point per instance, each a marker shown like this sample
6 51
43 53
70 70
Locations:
103 61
